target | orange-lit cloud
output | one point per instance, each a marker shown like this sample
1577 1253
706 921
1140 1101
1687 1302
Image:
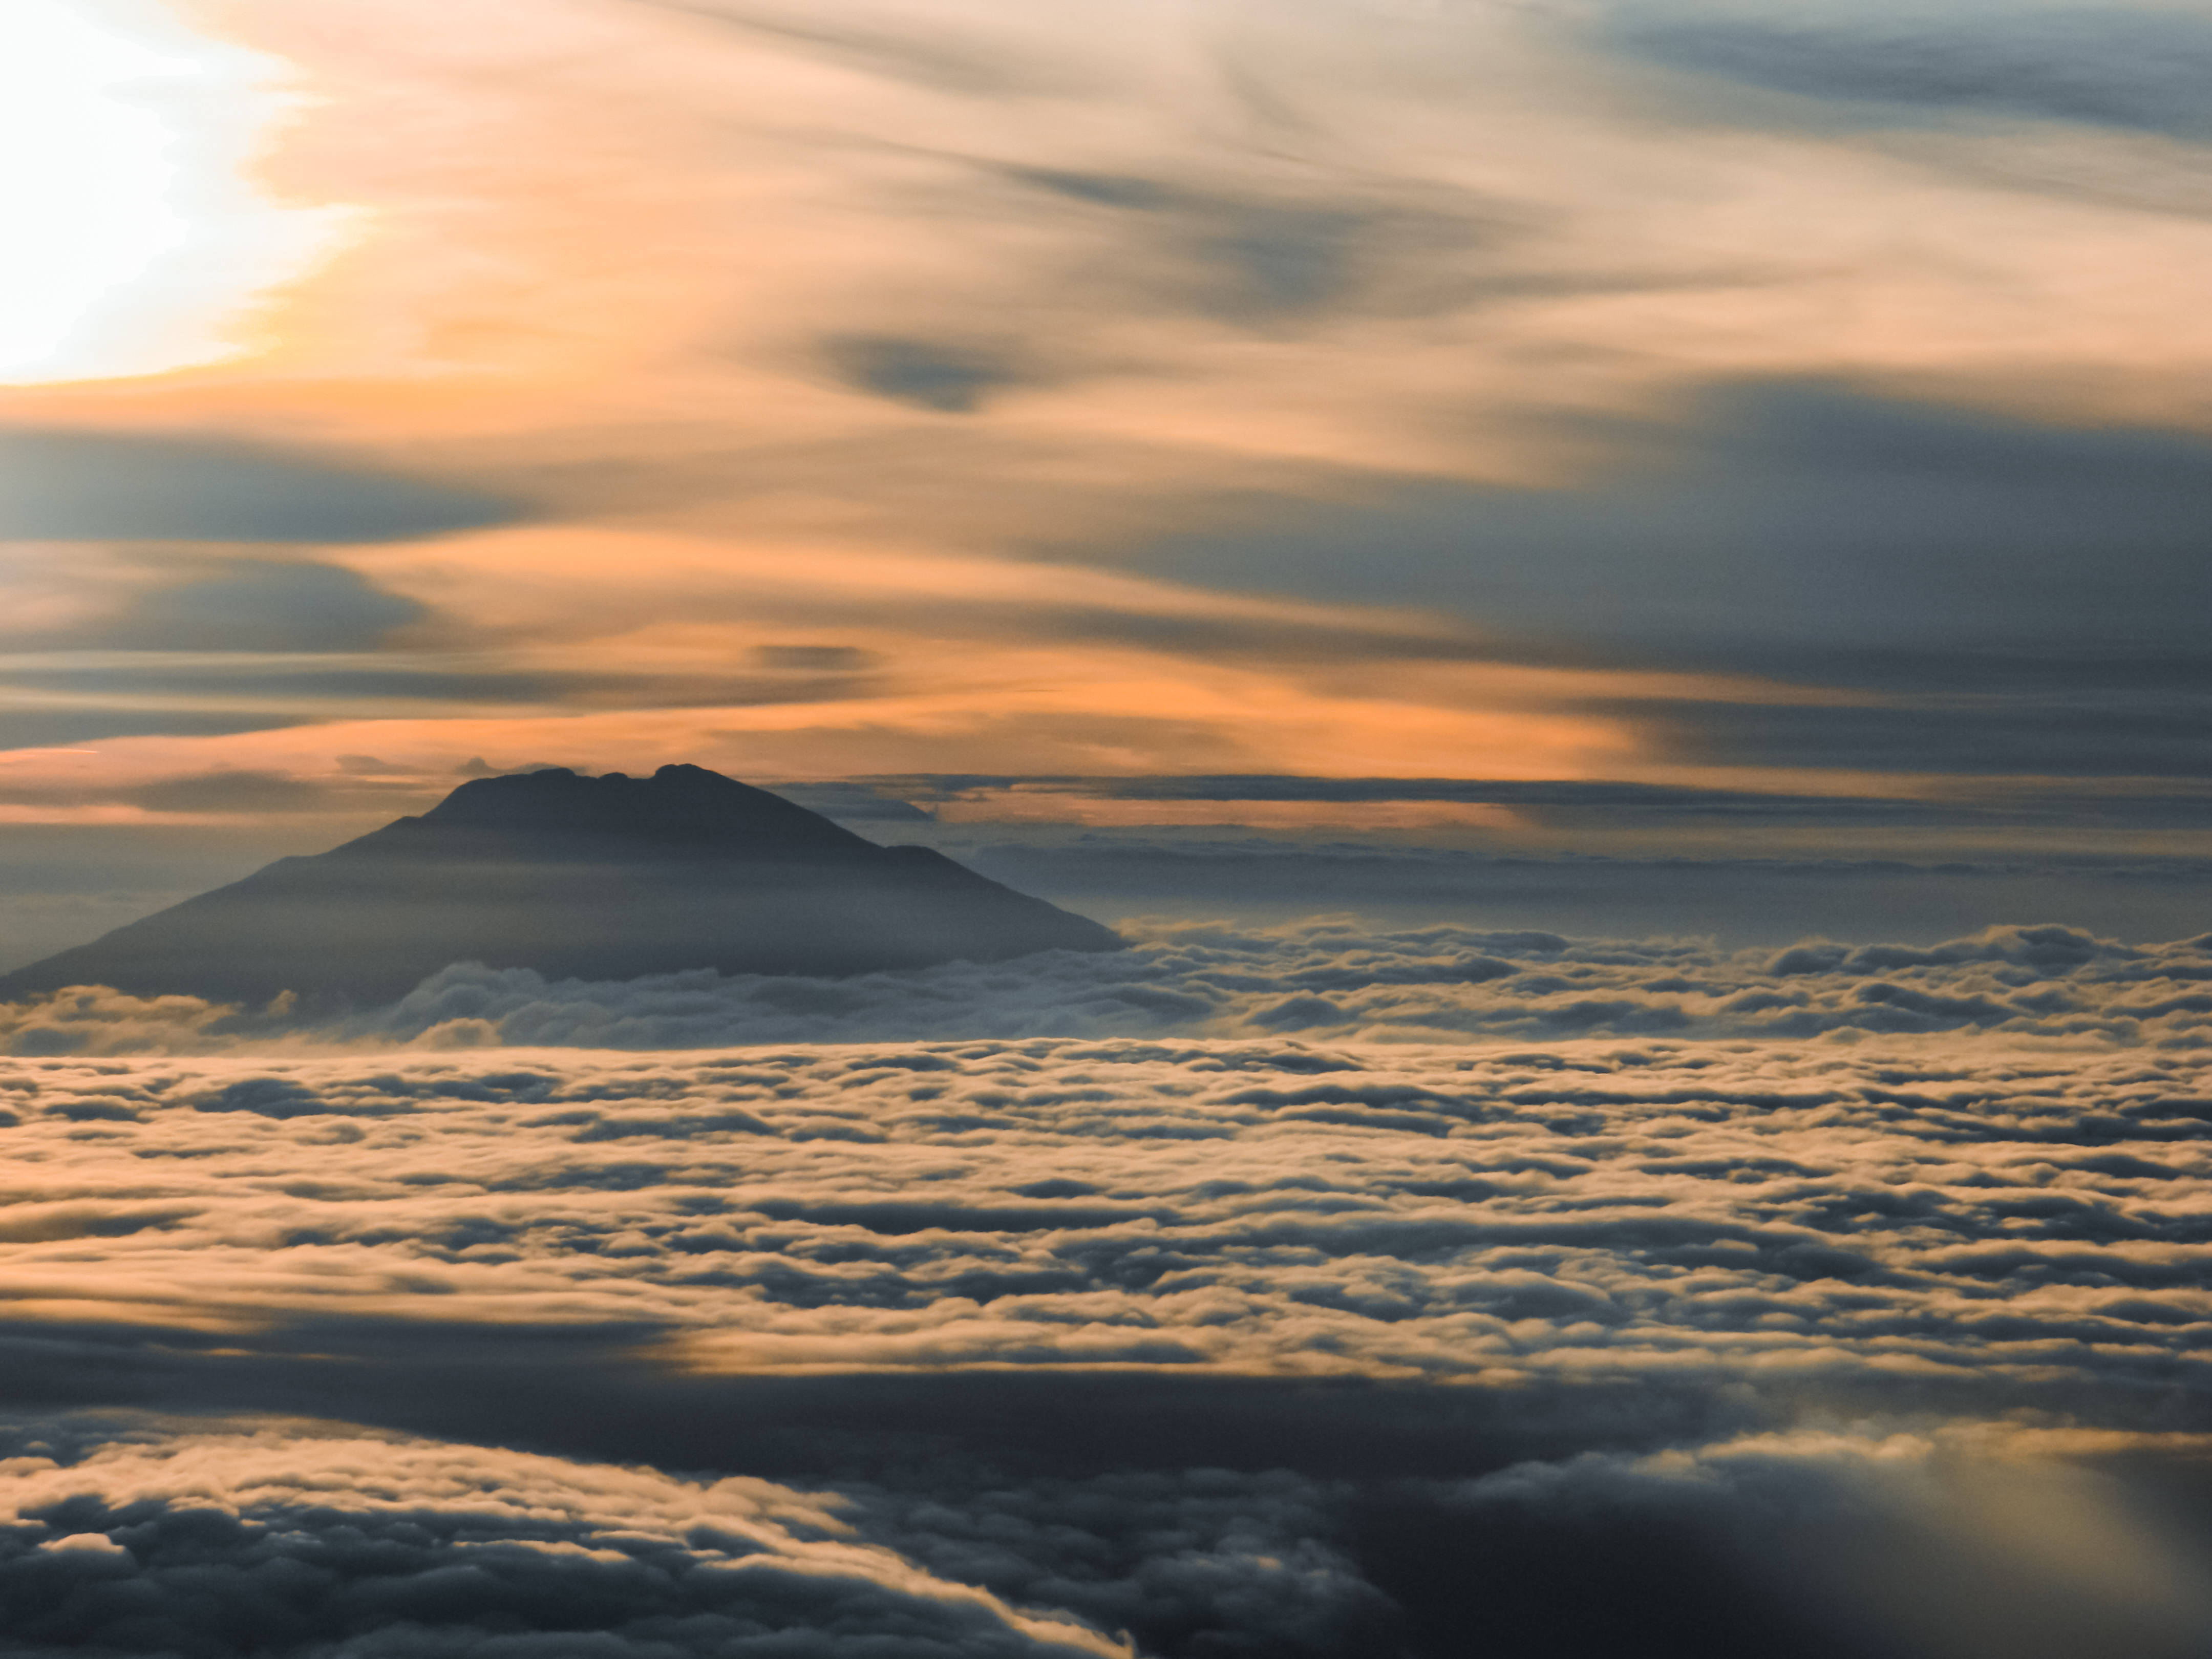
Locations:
891 335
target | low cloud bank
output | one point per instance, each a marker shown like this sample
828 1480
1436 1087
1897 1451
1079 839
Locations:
286 1540
1253 1347
1960 1224
129 1534
1328 979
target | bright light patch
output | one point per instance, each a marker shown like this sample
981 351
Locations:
129 238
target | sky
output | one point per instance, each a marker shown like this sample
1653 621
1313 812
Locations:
1608 595
1645 439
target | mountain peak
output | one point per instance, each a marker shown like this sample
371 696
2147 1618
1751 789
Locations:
603 877
679 805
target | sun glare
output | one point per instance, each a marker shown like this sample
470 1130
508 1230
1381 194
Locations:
131 237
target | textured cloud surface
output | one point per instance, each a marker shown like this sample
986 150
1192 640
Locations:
1309 1291
1244 1345
1339 979
1585 1213
291 1542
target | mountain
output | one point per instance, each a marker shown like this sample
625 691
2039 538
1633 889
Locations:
582 877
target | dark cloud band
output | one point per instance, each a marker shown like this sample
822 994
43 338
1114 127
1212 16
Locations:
85 486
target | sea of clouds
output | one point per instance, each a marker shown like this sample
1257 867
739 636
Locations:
1332 979
1305 1292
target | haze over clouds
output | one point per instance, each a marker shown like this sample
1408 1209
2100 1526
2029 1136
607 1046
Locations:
1331 977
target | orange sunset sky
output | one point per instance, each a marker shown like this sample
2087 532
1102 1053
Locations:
1364 389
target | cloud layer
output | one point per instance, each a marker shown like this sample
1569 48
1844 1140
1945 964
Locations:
2016 1224
1341 981
1247 1346
133 1534
1335 980
289 1541
1303 1293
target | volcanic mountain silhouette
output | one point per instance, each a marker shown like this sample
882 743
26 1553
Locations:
582 877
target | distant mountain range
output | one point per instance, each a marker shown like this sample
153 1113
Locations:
582 877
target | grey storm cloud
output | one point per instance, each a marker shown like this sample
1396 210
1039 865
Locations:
85 486
2141 69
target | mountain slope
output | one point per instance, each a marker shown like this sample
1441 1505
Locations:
575 876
